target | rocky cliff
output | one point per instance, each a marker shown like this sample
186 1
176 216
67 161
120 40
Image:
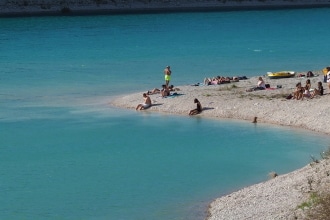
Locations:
58 7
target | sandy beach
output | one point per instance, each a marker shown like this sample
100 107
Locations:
277 198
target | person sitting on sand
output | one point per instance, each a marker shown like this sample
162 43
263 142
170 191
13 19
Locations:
306 93
198 109
146 104
318 91
308 84
171 88
298 93
307 89
310 74
165 91
261 84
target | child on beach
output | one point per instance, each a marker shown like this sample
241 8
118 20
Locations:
198 109
146 104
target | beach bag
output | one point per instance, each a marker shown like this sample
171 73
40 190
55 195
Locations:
267 85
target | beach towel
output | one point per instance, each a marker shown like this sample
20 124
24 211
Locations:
174 95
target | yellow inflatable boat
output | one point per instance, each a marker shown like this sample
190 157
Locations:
281 74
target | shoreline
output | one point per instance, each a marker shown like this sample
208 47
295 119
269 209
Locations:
277 198
23 8
231 101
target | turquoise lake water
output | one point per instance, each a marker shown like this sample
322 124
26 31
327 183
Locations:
67 154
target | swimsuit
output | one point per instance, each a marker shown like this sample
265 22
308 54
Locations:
167 77
146 105
199 107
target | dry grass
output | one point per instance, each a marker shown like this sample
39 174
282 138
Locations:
272 175
320 207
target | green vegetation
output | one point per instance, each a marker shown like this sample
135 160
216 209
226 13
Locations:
313 199
320 209
317 207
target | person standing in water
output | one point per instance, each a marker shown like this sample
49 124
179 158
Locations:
167 73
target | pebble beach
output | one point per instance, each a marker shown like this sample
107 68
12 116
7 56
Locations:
279 197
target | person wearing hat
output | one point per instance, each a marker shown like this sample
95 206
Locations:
167 73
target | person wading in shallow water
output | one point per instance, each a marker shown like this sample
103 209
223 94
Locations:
167 73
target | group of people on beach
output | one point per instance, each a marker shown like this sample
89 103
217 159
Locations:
166 91
299 93
217 80
306 91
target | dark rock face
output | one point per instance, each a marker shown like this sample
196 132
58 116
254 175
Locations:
60 7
